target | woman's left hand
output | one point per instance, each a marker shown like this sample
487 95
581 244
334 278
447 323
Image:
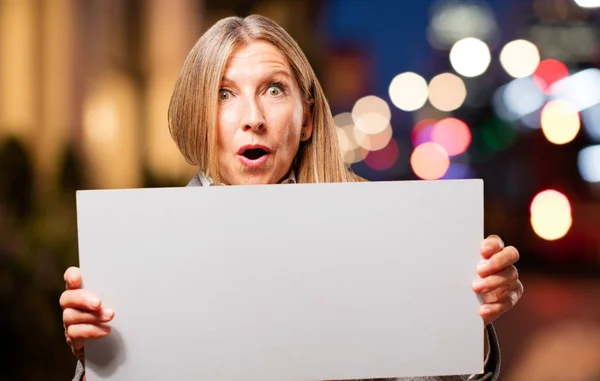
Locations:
498 281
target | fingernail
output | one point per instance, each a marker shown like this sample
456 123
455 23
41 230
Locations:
94 302
107 313
478 284
500 243
482 264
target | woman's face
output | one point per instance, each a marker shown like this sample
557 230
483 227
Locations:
260 118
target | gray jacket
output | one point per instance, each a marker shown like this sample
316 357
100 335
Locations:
491 362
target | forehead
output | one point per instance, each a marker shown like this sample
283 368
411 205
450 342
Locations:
256 58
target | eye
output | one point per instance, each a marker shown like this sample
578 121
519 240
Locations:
274 91
224 94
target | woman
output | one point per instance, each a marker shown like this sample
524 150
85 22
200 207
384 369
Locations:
248 109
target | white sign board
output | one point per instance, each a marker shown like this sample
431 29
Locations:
299 282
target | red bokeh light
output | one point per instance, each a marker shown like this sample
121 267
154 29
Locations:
549 72
385 158
452 134
421 132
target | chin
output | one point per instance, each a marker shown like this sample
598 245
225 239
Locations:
255 179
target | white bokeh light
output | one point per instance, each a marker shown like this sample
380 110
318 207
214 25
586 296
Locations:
520 58
371 115
588 162
581 89
591 122
522 97
454 20
408 91
470 57
588 3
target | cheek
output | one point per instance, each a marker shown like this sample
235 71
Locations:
291 124
225 129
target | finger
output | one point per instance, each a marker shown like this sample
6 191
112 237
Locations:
76 345
75 316
496 295
491 245
80 299
78 349
87 331
72 278
498 262
501 279
492 310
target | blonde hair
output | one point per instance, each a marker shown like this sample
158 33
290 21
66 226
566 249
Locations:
193 108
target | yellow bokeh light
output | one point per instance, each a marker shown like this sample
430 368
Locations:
520 58
470 57
408 91
551 215
447 92
101 121
371 115
560 121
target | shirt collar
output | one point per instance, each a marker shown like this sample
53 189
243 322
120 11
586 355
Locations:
201 180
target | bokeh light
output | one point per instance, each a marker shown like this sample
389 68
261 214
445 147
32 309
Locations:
384 158
591 122
447 92
588 3
588 161
343 119
371 115
452 134
470 57
101 121
550 215
496 135
430 161
452 21
408 91
549 72
522 96
500 107
349 148
520 58
373 142
560 122
421 132
581 89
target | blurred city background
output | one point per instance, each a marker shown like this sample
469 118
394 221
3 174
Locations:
503 90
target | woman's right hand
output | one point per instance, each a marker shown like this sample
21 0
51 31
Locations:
84 317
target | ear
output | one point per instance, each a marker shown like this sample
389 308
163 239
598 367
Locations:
307 124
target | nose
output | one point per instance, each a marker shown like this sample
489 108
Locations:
253 116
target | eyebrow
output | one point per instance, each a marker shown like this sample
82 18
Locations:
271 74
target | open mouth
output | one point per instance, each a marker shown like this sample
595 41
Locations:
253 156
254 153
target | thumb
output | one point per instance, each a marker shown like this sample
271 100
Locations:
78 350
